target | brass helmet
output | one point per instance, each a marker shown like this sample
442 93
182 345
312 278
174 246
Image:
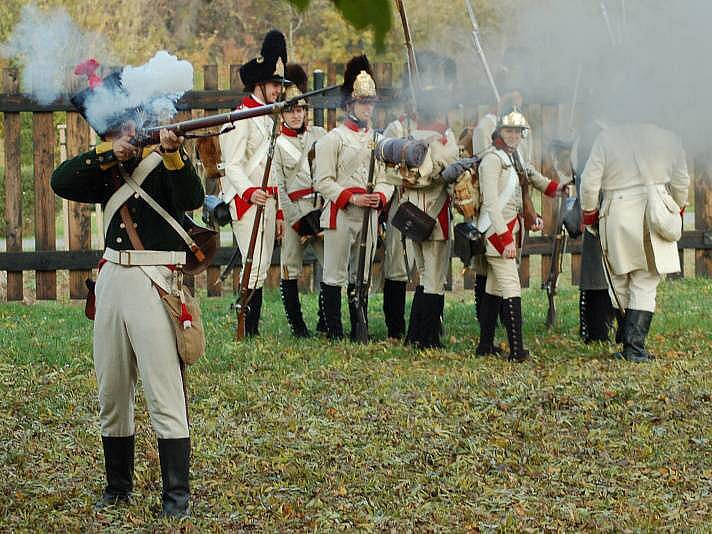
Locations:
358 82
513 119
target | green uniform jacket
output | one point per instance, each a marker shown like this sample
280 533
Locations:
89 178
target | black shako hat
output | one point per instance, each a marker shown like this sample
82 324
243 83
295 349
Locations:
107 120
264 67
359 83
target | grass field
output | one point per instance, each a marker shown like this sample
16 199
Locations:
308 435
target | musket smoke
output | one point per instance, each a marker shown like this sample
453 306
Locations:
48 44
655 70
154 88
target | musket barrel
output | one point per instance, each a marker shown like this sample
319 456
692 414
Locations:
151 135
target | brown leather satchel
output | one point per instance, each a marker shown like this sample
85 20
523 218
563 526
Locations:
206 239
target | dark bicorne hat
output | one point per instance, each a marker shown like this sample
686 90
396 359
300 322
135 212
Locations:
264 68
298 77
359 83
93 103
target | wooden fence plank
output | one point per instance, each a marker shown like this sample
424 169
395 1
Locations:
331 113
13 185
79 222
212 185
43 139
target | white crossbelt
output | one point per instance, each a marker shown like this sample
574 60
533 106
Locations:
135 258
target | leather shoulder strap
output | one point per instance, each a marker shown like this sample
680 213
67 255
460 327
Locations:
122 194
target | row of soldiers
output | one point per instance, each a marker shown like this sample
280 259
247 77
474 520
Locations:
327 201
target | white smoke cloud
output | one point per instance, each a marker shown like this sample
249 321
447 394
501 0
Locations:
48 44
154 87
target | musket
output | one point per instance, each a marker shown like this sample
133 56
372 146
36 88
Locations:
558 248
360 333
413 72
245 293
151 135
480 51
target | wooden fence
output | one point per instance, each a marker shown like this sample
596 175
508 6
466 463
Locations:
50 145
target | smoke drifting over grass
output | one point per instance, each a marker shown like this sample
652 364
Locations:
641 60
48 44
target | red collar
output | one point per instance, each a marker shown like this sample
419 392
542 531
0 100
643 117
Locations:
351 125
289 132
250 102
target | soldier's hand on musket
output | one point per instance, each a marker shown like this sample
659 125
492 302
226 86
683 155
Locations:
170 142
259 197
366 200
279 230
510 251
123 149
538 225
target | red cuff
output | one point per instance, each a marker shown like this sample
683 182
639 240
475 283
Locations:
589 217
343 199
499 241
280 215
384 200
248 194
550 190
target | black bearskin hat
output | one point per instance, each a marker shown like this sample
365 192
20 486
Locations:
296 74
354 67
112 119
263 68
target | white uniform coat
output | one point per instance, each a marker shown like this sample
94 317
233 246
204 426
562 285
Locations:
612 169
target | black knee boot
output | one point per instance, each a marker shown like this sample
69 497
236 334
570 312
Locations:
480 284
637 326
512 311
489 311
254 310
431 321
174 455
321 321
416 313
119 466
331 298
394 307
596 312
620 326
293 308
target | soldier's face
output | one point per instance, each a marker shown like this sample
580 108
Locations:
270 91
294 118
511 136
363 110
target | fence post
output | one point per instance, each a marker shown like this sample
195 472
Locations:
212 184
235 84
79 214
43 139
331 113
318 78
13 184
703 214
